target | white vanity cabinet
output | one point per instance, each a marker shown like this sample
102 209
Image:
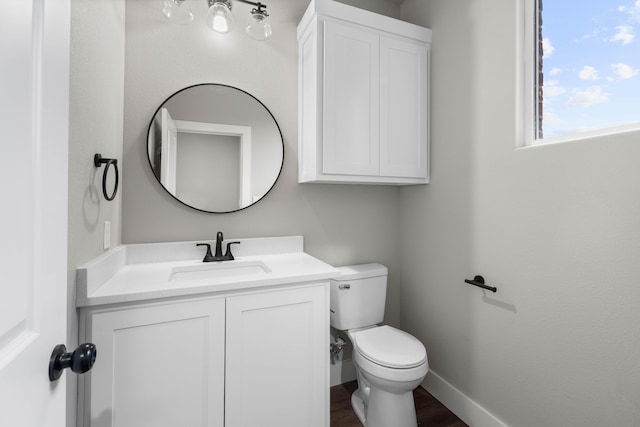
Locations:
363 97
250 358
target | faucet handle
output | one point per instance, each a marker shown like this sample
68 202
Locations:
228 255
208 257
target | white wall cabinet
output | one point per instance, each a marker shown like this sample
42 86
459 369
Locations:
254 359
363 97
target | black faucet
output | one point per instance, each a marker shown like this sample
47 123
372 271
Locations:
228 256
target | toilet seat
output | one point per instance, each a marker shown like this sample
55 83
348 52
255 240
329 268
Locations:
390 347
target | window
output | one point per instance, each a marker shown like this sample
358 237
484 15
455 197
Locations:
585 68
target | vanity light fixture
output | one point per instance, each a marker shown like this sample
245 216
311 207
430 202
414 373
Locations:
260 28
178 11
219 17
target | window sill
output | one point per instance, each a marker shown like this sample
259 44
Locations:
635 127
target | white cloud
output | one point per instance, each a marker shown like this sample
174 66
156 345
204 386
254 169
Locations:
547 48
552 89
587 97
588 73
555 70
551 118
624 71
633 11
624 34
594 33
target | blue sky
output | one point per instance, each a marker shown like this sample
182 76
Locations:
591 64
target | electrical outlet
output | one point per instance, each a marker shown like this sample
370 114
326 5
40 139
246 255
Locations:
107 235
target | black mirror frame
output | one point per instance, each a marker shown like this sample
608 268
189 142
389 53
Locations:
227 86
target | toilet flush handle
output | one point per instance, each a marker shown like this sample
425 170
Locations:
344 286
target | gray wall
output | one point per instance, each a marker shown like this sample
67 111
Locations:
341 224
95 126
555 228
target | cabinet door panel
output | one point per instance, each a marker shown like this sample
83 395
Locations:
277 359
159 366
351 101
404 114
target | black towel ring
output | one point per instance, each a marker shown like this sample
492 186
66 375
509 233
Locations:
99 160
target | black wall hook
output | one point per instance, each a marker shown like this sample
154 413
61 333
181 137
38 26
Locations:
98 160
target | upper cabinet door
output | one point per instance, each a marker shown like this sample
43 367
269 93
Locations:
404 108
351 101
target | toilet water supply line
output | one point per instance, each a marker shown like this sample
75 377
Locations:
335 348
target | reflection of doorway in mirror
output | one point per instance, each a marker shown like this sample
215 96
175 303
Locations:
208 170
214 166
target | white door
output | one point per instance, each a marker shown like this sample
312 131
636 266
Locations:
169 150
34 88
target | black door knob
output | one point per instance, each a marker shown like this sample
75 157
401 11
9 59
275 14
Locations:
80 361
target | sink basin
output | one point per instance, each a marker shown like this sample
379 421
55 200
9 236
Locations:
217 270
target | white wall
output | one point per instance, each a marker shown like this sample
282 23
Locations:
95 126
555 228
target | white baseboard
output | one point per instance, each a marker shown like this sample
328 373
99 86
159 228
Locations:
459 403
463 406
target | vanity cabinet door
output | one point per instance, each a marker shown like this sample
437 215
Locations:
158 366
278 359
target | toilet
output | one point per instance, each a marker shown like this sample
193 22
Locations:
389 363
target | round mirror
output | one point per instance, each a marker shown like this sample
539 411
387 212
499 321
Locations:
215 148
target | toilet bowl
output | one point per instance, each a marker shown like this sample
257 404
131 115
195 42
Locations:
389 363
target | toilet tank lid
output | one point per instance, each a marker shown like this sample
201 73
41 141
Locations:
362 271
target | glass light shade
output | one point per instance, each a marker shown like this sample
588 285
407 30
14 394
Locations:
178 11
219 17
259 28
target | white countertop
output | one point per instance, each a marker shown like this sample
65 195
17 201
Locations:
131 273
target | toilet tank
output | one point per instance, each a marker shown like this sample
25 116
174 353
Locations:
357 297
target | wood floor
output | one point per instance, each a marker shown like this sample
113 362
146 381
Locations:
430 412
